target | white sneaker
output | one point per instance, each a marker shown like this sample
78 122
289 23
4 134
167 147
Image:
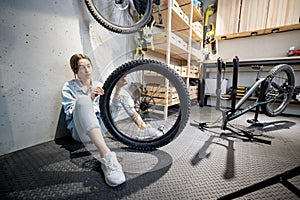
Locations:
149 133
112 170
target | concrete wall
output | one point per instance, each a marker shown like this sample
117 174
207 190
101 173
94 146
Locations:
37 39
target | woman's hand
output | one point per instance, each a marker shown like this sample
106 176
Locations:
96 91
121 83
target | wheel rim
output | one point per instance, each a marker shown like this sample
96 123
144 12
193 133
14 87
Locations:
148 102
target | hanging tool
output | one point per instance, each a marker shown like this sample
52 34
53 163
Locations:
209 29
210 37
157 2
145 34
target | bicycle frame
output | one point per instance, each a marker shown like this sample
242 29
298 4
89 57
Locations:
236 111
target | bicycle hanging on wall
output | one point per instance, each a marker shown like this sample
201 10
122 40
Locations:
121 16
275 92
155 91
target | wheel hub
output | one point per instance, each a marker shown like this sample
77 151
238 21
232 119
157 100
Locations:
122 4
144 106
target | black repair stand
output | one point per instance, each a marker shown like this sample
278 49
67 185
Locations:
280 178
232 113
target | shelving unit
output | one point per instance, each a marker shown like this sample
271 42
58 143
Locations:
175 42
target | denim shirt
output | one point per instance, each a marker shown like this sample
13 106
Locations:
70 91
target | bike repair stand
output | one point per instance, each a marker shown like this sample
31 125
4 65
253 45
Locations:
230 114
254 121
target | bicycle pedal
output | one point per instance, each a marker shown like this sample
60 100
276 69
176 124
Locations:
252 121
202 125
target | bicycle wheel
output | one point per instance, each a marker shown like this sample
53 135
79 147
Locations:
143 121
121 16
279 89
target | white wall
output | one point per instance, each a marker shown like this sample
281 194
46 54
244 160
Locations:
37 39
262 46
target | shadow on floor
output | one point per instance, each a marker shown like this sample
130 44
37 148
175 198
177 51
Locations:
205 152
97 185
65 169
246 134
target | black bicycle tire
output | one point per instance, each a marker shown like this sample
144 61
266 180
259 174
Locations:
163 70
116 28
291 82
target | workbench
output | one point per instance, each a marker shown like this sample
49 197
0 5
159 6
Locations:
293 60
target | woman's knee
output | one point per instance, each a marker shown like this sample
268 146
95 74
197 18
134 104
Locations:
84 104
83 100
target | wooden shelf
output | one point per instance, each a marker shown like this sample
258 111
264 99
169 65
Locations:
258 61
176 52
179 52
185 6
177 23
183 2
196 36
164 3
197 15
160 96
259 32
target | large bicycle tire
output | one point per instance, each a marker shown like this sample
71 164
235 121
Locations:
120 19
149 101
279 90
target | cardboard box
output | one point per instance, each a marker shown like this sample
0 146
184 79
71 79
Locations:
177 69
184 71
